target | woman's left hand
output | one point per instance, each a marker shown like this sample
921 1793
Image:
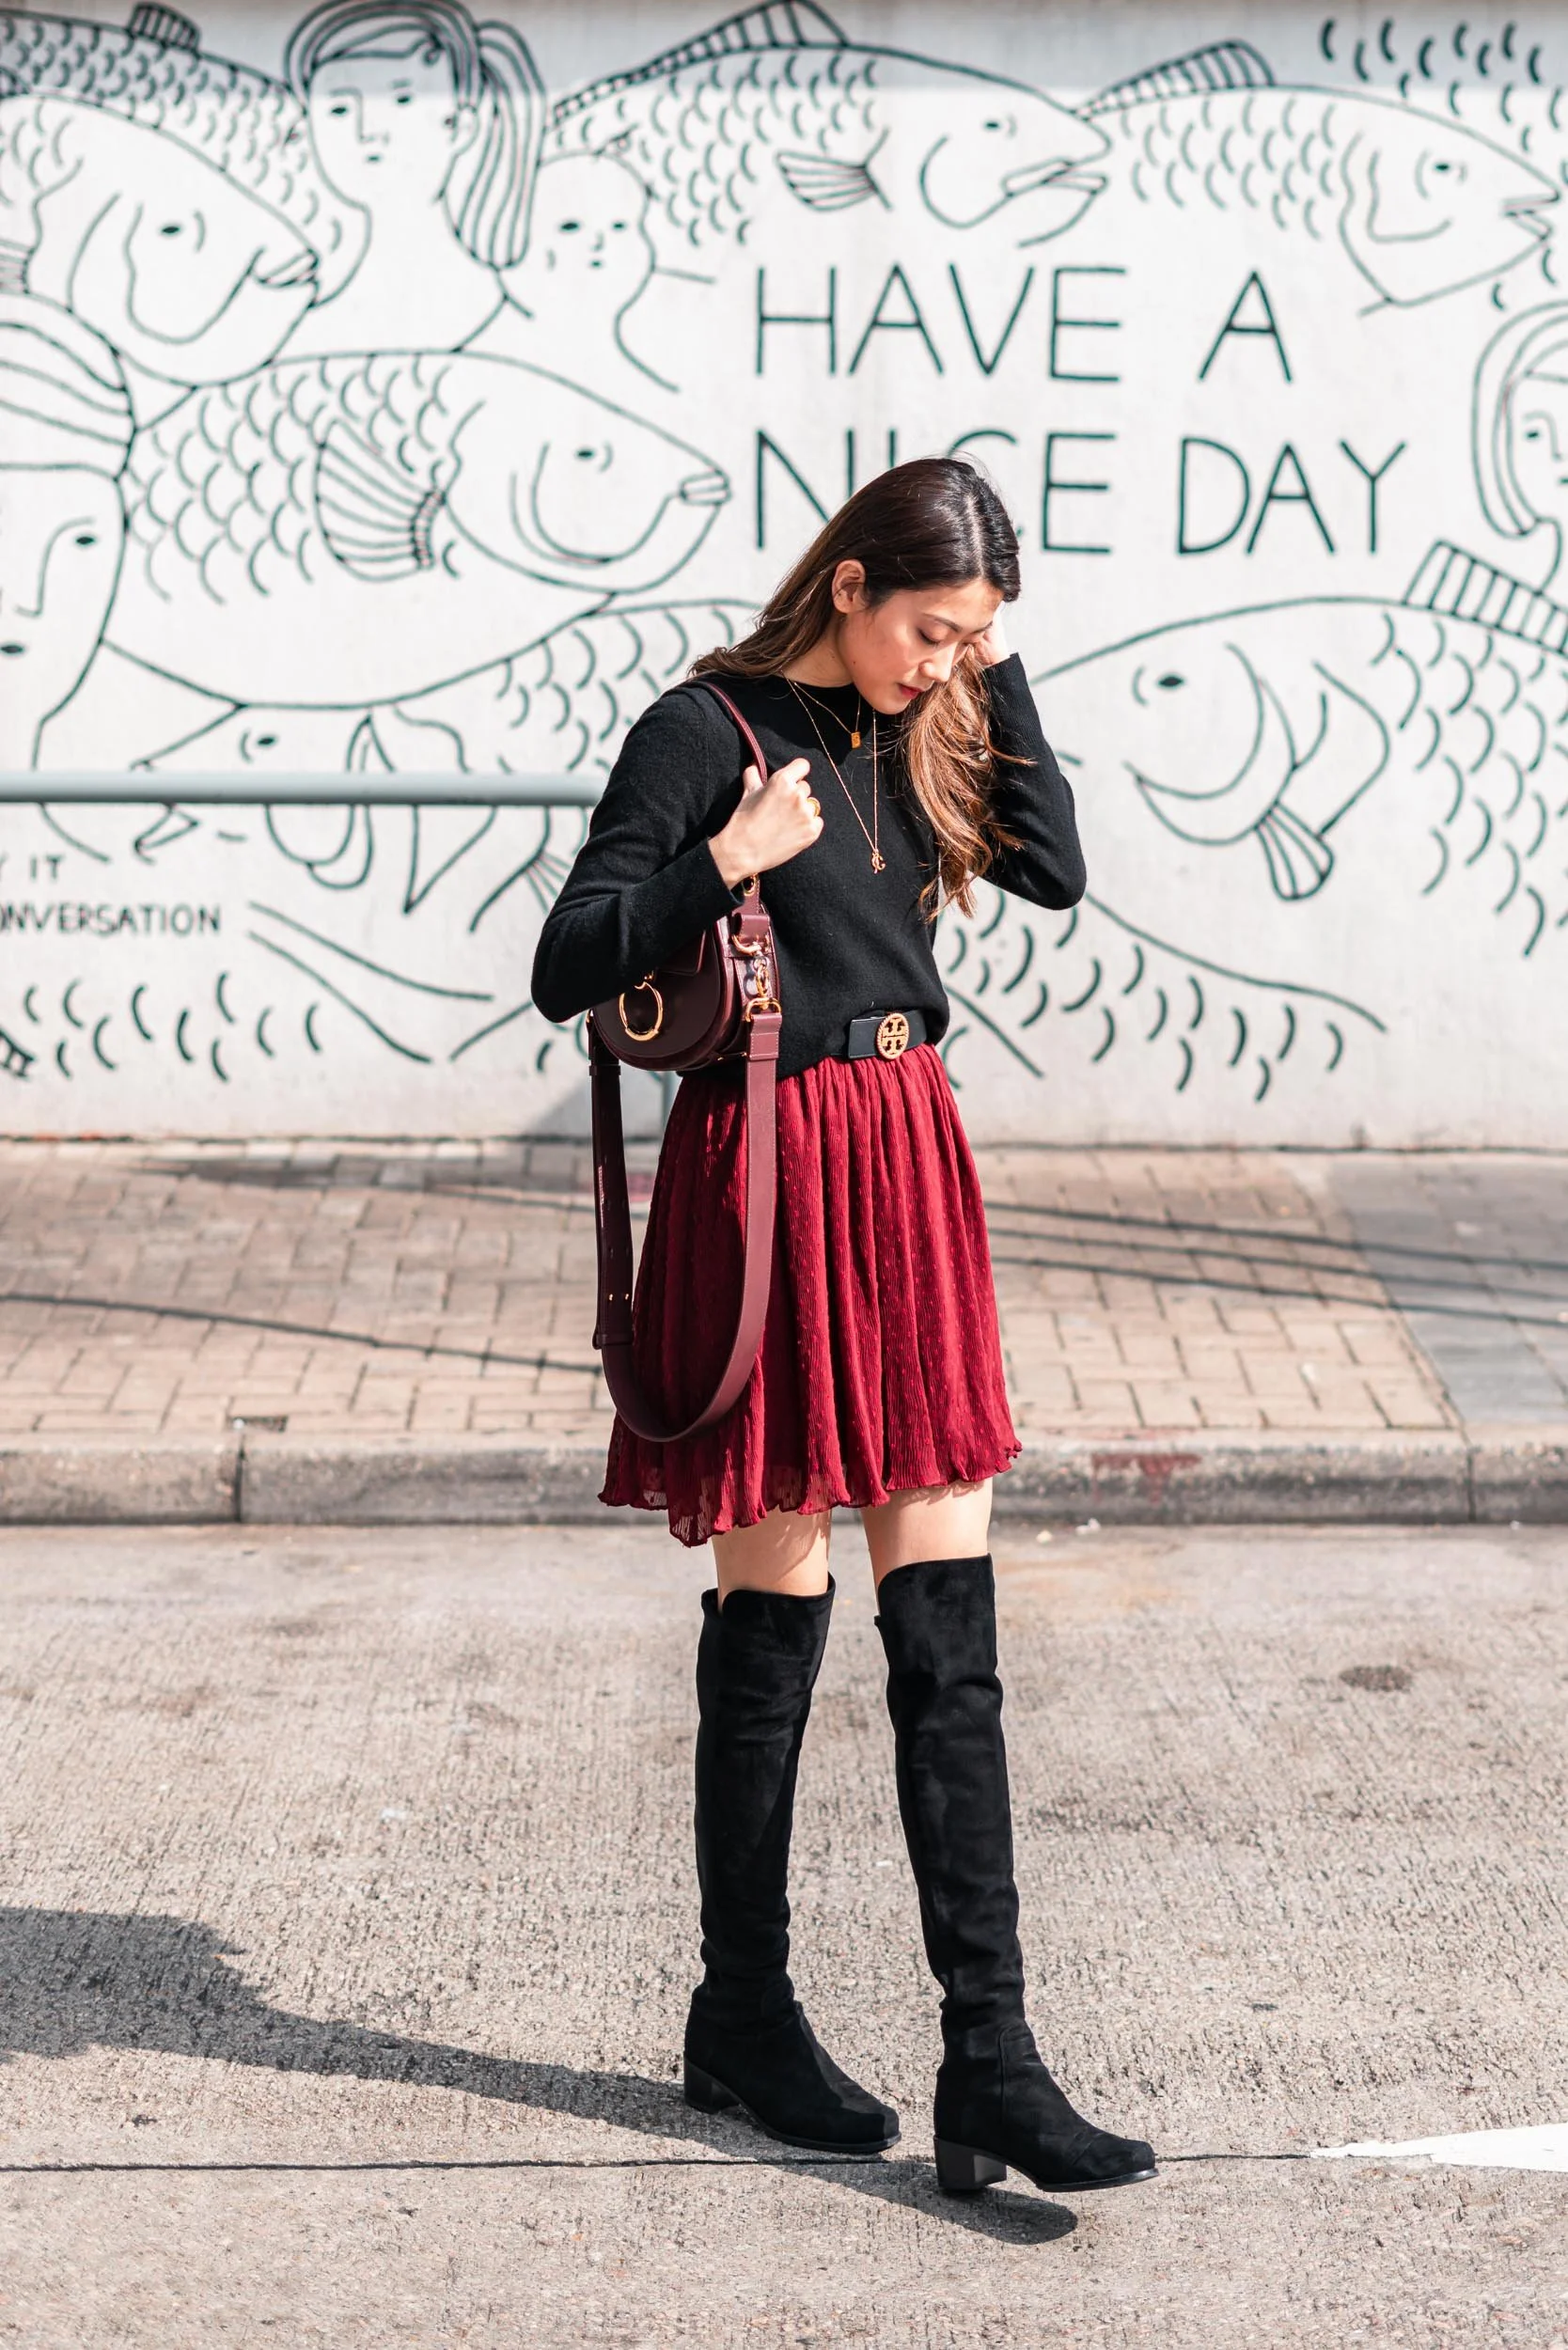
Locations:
993 647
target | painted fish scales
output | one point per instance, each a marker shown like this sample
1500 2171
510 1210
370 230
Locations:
246 124
334 531
1423 206
777 112
1332 746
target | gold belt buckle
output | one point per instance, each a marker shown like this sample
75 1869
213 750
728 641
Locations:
892 1037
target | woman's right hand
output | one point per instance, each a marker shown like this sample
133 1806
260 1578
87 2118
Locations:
774 822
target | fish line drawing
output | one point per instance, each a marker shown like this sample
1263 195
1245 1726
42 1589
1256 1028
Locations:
1422 206
190 276
429 125
777 115
15 1059
280 994
153 73
1469 588
65 428
1501 81
1032 985
1250 758
343 531
565 706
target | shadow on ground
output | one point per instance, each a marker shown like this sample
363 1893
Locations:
72 1979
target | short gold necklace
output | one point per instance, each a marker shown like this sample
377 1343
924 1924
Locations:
874 838
853 731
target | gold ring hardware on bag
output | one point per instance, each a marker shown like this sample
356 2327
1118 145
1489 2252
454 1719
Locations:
642 1036
761 997
892 1038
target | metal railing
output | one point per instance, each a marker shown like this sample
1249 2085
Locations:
336 790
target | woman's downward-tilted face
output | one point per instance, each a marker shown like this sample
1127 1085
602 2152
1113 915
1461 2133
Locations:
897 649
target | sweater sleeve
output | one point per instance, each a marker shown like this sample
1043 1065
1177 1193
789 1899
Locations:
645 883
1032 798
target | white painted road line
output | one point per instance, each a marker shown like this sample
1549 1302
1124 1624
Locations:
1544 2148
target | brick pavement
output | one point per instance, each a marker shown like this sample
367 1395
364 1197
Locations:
353 1290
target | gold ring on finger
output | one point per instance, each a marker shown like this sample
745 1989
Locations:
815 806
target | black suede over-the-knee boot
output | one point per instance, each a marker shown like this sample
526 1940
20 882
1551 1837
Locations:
747 2041
996 2104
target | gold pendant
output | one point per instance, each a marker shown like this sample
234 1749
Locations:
879 863
855 742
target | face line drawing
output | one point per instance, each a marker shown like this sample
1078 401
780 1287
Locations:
1539 417
35 611
349 96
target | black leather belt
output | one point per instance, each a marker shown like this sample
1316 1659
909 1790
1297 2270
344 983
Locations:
885 1034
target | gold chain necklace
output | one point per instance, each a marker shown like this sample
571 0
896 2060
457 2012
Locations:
853 731
874 838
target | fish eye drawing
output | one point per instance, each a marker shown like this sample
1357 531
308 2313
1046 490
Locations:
393 402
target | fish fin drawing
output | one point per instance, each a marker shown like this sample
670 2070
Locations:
827 184
1298 861
15 1059
148 21
1222 65
170 824
375 517
1468 588
365 756
778 24
13 262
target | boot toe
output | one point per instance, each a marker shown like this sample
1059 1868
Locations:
1100 2158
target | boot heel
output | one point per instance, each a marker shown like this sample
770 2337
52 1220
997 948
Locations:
964 2169
706 2094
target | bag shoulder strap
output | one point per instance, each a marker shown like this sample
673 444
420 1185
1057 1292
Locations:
612 1336
757 756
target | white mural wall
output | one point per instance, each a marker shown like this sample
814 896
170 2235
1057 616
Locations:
385 390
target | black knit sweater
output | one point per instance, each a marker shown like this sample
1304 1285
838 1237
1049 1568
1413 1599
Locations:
850 940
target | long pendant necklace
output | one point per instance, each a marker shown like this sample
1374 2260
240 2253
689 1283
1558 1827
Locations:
874 838
853 731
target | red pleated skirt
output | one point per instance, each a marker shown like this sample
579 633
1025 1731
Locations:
881 1363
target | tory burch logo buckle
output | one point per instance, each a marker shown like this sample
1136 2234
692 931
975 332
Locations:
892 1037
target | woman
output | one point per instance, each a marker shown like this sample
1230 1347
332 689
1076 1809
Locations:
907 761
430 124
65 427
1520 432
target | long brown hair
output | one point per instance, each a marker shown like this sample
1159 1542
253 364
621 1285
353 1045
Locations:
934 523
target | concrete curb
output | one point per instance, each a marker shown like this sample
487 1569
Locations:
1224 1479
1491 1476
117 1480
416 1480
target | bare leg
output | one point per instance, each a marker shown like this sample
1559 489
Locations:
935 1522
786 1553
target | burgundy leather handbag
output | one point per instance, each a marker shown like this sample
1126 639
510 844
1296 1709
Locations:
716 1000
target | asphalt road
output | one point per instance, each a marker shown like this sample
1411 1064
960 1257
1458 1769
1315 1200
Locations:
348 1924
